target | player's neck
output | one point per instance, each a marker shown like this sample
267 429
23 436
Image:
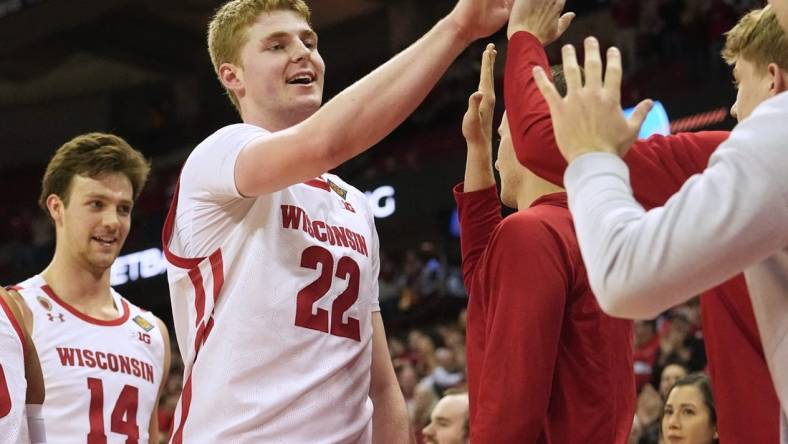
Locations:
533 187
272 121
80 286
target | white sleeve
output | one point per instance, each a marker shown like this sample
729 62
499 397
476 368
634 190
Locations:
732 216
209 173
208 200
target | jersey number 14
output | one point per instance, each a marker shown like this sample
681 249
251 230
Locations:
123 419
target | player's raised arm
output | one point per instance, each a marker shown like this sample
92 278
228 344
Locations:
370 109
477 127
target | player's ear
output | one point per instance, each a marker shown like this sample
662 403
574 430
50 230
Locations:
55 207
779 79
231 77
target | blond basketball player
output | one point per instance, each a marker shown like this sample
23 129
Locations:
21 382
104 359
274 263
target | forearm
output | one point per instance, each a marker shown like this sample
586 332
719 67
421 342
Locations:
478 169
528 113
641 263
390 422
367 111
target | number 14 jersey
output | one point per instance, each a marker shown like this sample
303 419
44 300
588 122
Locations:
272 302
102 377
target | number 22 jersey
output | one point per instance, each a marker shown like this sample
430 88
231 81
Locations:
102 377
272 302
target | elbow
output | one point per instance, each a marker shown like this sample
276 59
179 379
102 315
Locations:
622 299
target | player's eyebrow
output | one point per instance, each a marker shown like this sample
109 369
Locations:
304 33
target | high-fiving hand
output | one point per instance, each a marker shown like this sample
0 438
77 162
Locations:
590 118
480 18
478 119
542 18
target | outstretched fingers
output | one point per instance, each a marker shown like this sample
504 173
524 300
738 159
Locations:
593 63
614 73
574 80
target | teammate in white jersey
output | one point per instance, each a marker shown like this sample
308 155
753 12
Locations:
273 263
21 382
104 359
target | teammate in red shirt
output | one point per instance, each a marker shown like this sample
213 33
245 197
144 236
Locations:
658 166
545 364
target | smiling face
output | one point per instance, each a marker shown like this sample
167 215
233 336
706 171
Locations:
93 222
279 81
687 419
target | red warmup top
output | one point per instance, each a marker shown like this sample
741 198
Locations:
545 364
747 406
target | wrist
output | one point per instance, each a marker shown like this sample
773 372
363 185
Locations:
460 31
512 30
572 155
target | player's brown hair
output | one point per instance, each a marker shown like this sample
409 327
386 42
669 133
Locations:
227 32
759 39
92 155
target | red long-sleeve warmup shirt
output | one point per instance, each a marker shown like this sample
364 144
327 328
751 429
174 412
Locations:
747 405
545 364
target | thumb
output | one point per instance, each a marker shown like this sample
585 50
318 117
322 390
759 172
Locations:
564 21
639 115
474 101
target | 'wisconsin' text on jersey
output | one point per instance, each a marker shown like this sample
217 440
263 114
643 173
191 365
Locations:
77 357
296 218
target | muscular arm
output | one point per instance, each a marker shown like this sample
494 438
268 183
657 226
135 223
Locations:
527 284
390 418
658 165
367 111
153 428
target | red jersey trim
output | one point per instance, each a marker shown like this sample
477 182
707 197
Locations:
318 183
89 319
166 236
204 329
15 324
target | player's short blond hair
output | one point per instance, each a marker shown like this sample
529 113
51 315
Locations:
227 32
757 38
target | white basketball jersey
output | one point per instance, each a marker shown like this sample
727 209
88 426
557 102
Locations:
102 377
13 384
272 301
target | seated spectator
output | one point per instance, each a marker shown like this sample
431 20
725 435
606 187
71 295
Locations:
449 420
670 374
690 415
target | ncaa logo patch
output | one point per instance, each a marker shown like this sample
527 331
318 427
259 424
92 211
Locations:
143 323
44 303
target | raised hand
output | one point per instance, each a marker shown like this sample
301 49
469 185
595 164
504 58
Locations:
477 127
478 119
542 18
590 118
480 18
